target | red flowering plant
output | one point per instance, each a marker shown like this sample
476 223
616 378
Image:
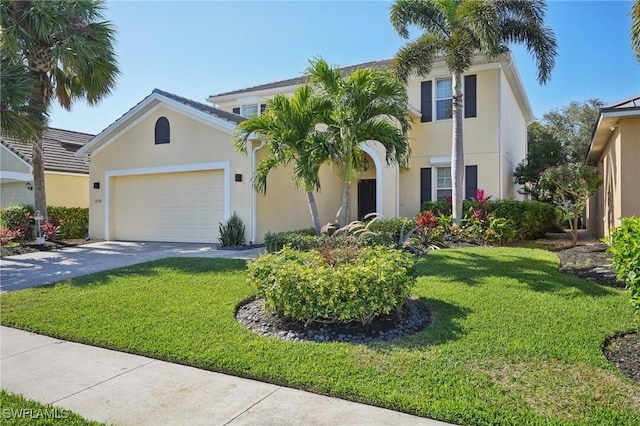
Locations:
51 228
428 235
480 214
7 236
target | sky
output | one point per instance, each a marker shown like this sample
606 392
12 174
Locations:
199 48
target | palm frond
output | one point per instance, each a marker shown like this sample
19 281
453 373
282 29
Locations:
417 56
635 28
428 16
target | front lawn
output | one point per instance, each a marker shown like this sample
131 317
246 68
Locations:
17 410
512 342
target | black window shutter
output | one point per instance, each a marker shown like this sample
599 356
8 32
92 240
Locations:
471 181
236 110
425 101
470 96
425 185
263 107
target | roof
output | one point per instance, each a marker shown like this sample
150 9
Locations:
607 122
214 116
60 147
225 115
383 63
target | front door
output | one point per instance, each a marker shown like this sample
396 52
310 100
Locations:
366 197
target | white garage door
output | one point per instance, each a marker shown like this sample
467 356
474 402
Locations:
178 207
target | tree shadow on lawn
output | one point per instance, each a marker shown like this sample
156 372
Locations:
192 266
473 267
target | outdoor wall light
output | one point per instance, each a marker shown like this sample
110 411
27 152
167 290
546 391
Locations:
238 177
365 164
29 186
96 185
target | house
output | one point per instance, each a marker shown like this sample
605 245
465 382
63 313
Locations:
66 176
615 150
167 169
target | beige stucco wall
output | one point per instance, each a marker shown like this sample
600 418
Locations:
15 193
433 139
192 142
618 164
67 189
11 162
513 148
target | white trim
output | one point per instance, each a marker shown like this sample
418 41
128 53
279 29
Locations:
222 165
397 191
627 113
440 161
48 172
23 177
369 150
500 137
107 136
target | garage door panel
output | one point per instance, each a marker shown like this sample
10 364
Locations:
183 207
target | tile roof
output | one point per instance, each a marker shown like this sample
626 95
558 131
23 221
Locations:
384 63
225 115
60 147
632 102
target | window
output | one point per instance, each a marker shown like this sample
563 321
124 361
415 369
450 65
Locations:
162 131
444 97
249 111
443 182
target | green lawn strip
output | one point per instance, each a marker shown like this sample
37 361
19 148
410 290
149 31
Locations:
512 342
15 410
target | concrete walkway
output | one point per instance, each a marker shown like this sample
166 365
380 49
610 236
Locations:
124 389
33 269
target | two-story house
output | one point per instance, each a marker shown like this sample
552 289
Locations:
167 169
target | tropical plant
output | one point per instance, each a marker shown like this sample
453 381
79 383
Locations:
368 105
456 30
231 232
543 150
64 51
288 126
625 246
635 28
569 186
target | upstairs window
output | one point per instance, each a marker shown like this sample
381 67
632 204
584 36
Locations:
444 96
249 111
162 131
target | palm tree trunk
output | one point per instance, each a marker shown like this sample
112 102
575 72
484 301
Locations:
457 151
37 152
313 207
346 196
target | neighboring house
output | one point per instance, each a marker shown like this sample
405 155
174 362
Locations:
66 175
167 170
615 150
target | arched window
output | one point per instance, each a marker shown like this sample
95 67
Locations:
162 131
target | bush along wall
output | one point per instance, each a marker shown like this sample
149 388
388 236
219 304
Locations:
74 221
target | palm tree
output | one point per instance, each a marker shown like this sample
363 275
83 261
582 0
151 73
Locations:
455 30
369 104
67 49
635 28
288 127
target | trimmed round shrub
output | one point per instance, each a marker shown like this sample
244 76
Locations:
360 286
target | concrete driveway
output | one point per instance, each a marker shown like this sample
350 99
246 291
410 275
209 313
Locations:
33 269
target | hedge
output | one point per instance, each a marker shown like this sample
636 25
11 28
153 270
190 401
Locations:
74 221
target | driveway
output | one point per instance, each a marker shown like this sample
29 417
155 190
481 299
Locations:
34 269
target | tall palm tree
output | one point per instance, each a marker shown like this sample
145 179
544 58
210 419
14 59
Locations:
455 30
369 104
635 28
288 127
67 48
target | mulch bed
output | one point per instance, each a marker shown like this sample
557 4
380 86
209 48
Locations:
31 247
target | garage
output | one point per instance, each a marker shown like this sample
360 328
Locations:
171 207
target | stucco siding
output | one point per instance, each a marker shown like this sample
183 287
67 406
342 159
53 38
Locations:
9 161
629 167
66 189
15 193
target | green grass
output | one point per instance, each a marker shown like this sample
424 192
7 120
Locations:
15 410
512 342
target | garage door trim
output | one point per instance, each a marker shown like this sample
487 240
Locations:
225 166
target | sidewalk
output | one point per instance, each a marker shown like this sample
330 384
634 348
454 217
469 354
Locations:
125 389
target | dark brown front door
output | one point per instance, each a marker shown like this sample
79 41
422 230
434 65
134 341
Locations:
366 197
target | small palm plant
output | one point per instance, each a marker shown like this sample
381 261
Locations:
231 231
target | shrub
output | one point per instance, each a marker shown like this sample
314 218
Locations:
531 219
231 231
74 221
303 239
391 230
304 287
17 217
51 229
625 246
7 236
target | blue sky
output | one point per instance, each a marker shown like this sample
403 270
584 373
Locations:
196 49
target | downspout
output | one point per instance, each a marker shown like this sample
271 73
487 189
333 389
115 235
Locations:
398 191
254 194
500 160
